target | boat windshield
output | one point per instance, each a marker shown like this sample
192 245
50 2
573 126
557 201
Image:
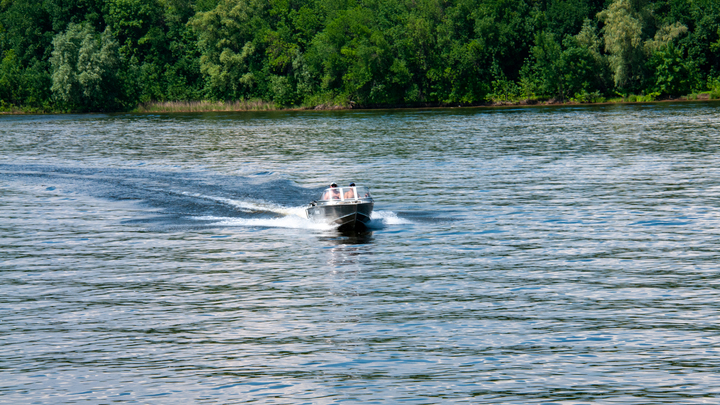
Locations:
345 193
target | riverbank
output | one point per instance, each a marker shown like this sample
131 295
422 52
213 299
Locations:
260 105
206 106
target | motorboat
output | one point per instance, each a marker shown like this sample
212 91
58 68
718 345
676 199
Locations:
347 207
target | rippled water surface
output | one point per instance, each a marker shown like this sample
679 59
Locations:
539 255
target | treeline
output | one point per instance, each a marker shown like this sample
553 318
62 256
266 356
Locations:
105 55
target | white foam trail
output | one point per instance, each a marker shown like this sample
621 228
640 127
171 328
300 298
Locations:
388 218
290 221
250 206
294 217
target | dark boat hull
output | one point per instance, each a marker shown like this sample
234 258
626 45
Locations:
345 216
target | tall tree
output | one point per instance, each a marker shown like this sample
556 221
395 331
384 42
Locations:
84 65
624 41
631 37
229 38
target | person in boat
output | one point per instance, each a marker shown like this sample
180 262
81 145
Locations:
332 193
350 193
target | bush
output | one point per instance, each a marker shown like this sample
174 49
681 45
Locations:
585 97
673 73
713 84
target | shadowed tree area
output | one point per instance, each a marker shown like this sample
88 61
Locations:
105 55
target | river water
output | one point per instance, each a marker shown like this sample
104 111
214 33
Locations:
523 255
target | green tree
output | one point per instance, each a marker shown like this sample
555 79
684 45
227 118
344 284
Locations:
461 70
623 34
703 40
628 40
136 25
568 69
566 17
84 65
363 55
11 85
596 71
672 72
500 29
229 39
27 28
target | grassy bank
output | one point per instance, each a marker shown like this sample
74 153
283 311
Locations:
260 105
206 106
9 109
596 99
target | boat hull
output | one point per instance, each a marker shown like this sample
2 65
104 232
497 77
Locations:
344 216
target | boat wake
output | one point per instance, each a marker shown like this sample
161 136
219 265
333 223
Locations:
252 206
288 221
380 219
293 217
187 199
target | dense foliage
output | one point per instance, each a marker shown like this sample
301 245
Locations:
113 54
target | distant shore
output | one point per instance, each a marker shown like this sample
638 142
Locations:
259 105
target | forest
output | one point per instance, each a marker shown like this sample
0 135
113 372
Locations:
114 55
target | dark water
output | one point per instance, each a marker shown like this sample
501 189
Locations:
541 255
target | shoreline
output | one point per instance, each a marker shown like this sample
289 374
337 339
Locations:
269 107
510 104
